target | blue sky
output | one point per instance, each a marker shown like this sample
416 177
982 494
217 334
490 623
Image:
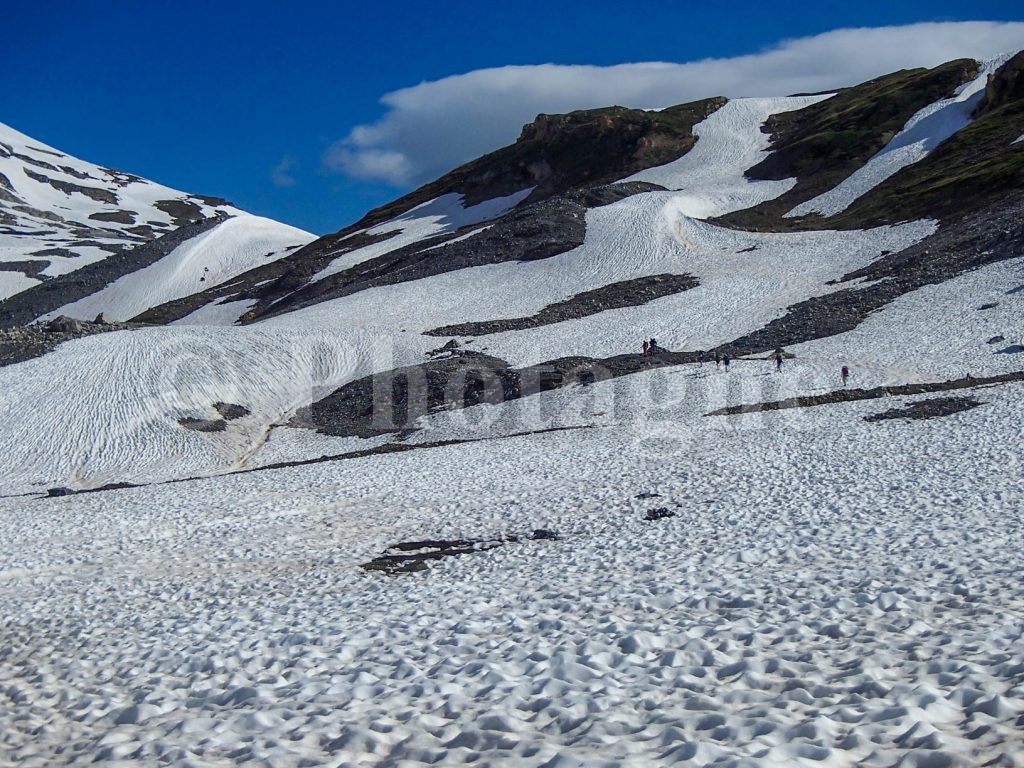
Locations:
253 101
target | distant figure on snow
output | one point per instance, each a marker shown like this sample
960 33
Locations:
725 361
718 359
647 348
700 357
654 348
845 374
778 362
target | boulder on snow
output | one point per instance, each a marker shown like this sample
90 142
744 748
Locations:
64 324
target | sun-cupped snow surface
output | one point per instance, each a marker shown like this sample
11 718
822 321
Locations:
820 591
434 217
711 175
746 280
928 128
236 245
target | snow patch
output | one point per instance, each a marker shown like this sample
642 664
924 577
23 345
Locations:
711 175
206 260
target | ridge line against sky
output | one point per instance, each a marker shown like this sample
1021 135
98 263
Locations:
315 113
434 126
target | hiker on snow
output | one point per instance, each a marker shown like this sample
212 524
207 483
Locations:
845 374
725 361
647 348
778 362
718 359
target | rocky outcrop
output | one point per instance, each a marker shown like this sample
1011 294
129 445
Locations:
627 293
19 344
559 153
1004 85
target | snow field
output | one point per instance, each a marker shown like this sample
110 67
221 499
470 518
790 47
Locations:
815 601
105 408
213 257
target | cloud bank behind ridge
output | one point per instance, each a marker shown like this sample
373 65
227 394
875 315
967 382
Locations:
432 127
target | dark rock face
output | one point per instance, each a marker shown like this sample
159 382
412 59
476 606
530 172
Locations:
1004 85
558 153
231 411
628 293
118 217
27 268
24 307
927 409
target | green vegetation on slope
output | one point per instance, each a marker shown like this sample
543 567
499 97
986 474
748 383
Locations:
824 143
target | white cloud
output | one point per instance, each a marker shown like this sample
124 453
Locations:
280 174
434 126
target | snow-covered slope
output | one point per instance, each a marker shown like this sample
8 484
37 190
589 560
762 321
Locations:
62 213
711 176
213 257
644 580
59 214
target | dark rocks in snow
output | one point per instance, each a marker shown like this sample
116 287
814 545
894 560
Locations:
647 495
852 395
995 340
627 293
118 217
1013 349
64 324
391 401
986 237
29 268
24 307
55 492
231 411
658 514
412 556
928 409
24 343
68 188
989 305
446 349
203 425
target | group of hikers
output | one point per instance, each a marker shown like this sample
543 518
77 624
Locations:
651 348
